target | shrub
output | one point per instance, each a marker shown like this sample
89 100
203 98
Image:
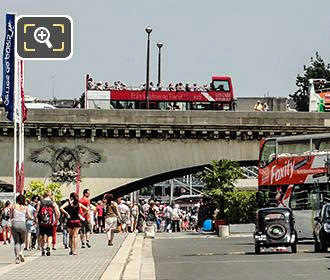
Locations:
39 188
240 207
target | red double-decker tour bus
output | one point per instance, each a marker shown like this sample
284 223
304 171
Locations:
294 172
218 95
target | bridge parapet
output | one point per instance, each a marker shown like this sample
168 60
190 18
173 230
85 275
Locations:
81 123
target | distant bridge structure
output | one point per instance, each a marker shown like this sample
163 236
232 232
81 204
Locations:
124 150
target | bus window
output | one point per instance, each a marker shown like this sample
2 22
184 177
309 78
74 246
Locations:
161 105
301 198
267 153
201 106
297 148
180 106
221 86
324 145
126 105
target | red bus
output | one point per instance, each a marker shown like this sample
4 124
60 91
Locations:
218 96
294 172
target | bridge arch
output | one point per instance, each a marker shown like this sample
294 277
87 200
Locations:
154 179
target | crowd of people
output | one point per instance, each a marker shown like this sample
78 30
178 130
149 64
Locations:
261 107
33 224
118 85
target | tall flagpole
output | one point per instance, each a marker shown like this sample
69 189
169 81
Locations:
20 139
22 129
16 75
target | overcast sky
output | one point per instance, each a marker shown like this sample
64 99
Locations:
261 44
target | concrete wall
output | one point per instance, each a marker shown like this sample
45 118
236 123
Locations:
127 160
168 118
275 104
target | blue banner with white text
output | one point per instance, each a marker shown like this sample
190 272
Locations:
9 67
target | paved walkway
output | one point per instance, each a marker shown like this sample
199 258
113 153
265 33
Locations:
88 264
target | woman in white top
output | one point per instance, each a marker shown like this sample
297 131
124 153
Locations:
19 214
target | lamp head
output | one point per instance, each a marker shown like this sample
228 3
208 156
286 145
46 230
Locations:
148 29
159 44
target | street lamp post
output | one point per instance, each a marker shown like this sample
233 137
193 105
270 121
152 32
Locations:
148 30
159 45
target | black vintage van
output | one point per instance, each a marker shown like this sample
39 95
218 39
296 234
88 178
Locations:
275 228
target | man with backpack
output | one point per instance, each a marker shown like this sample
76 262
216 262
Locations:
46 215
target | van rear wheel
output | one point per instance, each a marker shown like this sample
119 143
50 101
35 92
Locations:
317 247
323 247
257 248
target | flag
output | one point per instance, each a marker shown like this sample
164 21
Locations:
21 84
9 67
19 178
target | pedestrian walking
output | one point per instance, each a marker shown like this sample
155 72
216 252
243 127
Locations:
65 231
176 216
111 218
124 213
55 224
151 220
6 222
19 213
35 229
92 211
134 216
168 217
71 208
30 226
99 212
46 215
85 230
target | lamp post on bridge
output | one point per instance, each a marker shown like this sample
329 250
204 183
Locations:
148 30
159 45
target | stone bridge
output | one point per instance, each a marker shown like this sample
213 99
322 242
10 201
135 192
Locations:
124 150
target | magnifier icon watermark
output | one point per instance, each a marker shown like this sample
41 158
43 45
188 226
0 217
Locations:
42 35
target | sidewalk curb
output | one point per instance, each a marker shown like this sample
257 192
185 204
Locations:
140 263
148 264
116 268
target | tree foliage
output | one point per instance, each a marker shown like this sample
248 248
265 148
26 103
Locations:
219 180
241 206
39 188
317 69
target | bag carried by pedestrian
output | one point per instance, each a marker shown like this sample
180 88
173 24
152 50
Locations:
46 215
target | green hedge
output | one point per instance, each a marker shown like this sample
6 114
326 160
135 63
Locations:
240 207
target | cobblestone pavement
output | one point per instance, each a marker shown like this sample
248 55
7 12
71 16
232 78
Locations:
90 263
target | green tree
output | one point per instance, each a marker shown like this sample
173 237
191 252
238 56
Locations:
219 179
317 69
39 188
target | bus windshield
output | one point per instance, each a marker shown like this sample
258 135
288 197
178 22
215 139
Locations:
221 85
267 153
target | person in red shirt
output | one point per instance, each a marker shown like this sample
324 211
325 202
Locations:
99 212
85 220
